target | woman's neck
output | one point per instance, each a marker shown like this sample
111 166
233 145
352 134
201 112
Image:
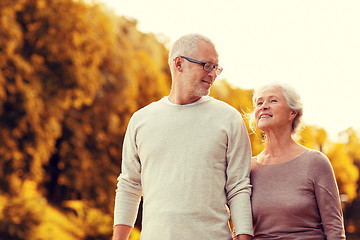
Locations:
279 148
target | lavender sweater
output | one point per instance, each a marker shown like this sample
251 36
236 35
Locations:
188 162
298 199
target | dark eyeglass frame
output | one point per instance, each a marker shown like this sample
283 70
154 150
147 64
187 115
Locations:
207 66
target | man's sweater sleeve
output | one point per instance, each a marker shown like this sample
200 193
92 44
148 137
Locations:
129 191
238 186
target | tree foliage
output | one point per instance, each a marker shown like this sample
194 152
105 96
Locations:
71 76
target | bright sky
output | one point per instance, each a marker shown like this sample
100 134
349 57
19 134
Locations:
313 45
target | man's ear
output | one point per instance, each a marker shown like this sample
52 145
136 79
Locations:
178 63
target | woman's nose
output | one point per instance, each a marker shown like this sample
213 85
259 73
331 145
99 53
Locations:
265 105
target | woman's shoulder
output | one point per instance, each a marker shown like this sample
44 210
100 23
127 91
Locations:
316 157
318 162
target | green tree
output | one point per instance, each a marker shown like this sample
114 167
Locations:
352 209
50 64
87 159
71 76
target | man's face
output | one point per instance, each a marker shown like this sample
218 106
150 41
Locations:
196 81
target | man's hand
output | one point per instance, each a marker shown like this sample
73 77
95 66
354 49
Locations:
242 237
121 232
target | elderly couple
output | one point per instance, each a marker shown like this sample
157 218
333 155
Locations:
188 155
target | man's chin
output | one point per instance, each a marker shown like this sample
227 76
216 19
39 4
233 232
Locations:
205 91
202 92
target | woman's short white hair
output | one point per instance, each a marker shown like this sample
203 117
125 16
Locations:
292 98
186 45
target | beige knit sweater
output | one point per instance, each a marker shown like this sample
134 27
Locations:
188 162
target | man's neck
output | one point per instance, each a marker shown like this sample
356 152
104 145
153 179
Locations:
181 100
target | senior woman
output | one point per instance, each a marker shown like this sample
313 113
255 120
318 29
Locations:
295 195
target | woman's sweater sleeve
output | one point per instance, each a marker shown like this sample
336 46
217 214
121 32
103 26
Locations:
327 197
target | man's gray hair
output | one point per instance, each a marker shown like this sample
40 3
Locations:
187 46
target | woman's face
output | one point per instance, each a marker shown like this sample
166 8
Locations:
272 111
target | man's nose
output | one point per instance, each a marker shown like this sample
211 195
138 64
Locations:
213 74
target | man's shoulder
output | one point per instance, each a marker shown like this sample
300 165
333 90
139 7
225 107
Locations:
150 107
221 105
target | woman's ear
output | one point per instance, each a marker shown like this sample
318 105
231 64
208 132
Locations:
293 114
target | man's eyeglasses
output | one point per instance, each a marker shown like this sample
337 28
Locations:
207 66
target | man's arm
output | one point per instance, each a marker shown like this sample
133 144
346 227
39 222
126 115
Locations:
238 188
129 190
121 232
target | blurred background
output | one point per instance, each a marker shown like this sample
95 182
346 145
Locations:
72 74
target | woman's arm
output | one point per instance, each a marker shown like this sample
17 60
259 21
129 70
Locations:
328 199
